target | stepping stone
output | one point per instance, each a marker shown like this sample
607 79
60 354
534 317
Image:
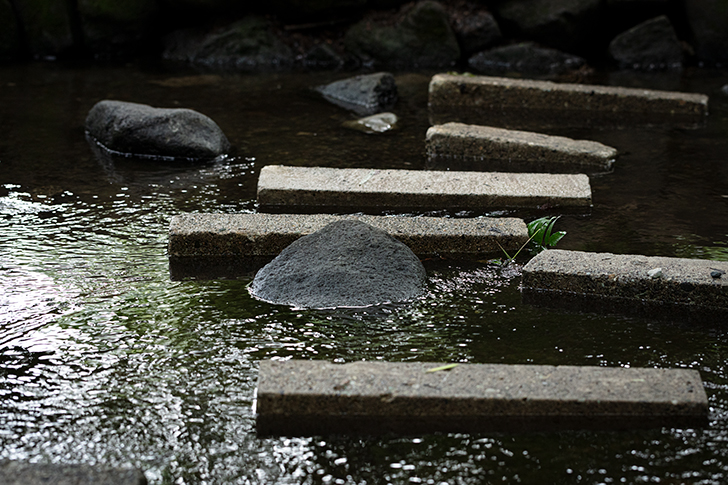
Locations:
19 473
497 148
359 189
230 245
654 287
303 398
502 101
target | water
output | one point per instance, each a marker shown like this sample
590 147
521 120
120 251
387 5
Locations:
105 360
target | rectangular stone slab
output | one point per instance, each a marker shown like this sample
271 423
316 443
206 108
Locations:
518 102
268 234
654 287
299 397
358 189
500 149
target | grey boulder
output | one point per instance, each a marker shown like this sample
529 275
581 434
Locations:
140 130
366 94
346 264
650 45
524 58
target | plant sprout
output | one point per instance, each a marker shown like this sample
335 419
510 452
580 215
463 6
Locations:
541 234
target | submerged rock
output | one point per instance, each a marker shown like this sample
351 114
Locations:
650 45
141 130
365 94
347 263
246 45
525 58
378 123
420 38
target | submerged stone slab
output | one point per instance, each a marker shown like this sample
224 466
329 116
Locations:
299 397
518 102
497 148
230 245
19 473
359 189
655 287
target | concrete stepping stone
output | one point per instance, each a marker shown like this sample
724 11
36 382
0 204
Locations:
299 397
499 149
503 101
358 189
655 287
19 473
228 245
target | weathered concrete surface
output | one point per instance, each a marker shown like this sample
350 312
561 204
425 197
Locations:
497 148
312 397
205 246
282 186
517 102
18 473
655 287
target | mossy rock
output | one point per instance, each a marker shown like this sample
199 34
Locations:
47 26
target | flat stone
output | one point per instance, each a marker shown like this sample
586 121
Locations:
497 148
205 246
283 186
299 397
19 473
654 287
521 103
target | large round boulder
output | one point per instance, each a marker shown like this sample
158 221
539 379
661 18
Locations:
141 130
346 264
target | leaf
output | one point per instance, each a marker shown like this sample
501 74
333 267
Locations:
443 367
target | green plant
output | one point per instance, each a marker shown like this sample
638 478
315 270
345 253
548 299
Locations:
540 233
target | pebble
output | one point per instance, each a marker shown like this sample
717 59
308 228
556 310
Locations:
655 273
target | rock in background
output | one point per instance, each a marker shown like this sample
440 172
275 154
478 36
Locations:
525 58
650 45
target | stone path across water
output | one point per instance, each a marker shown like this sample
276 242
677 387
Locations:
283 186
239 235
496 148
657 287
491 100
298 397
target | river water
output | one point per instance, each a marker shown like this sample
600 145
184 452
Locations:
105 360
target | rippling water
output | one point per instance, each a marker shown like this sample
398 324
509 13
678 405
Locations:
105 360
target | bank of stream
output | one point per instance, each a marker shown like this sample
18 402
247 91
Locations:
104 360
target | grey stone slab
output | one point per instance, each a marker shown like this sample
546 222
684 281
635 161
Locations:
207 246
20 473
361 189
497 148
497 101
299 397
680 289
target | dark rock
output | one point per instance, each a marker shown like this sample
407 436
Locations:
708 21
347 263
420 37
246 45
47 26
317 9
140 130
365 94
323 56
563 24
9 32
724 89
476 31
18 473
650 45
112 27
525 58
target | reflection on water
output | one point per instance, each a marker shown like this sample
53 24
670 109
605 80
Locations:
105 360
